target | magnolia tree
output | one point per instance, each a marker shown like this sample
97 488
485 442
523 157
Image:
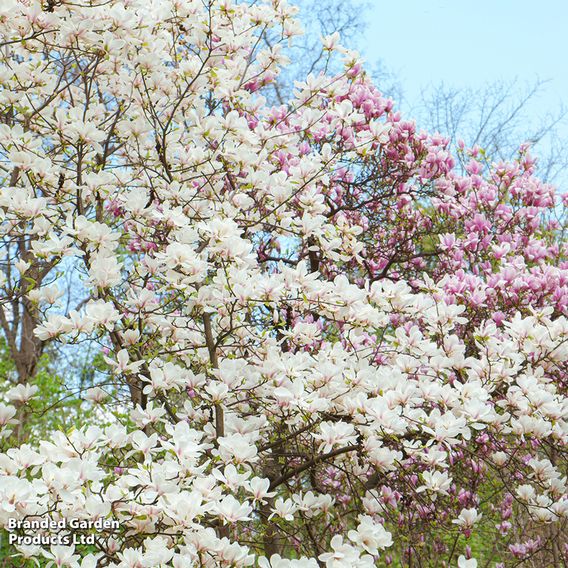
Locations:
326 344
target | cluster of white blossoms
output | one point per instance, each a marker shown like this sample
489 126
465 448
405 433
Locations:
180 485
273 409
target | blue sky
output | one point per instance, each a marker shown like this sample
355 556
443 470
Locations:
468 43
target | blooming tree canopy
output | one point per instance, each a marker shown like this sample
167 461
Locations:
325 343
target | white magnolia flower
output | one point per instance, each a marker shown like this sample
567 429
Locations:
232 511
435 481
104 271
6 415
335 433
284 508
370 536
96 395
21 393
61 555
467 518
343 555
467 563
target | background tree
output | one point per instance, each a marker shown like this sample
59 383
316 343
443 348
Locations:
499 117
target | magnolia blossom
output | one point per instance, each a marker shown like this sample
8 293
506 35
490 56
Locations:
466 563
60 555
232 510
467 518
6 414
342 554
105 271
370 536
335 434
96 394
21 393
436 481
